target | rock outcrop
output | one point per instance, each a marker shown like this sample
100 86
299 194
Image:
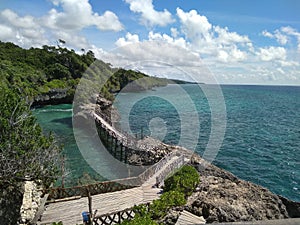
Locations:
31 201
148 151
54 97
222 197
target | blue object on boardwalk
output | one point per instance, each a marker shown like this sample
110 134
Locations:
85 216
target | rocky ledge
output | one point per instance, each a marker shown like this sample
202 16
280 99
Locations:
222 197
54 97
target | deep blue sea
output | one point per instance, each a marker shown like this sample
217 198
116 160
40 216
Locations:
262 137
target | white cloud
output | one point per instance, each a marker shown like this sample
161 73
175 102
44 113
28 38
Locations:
129 39
267 34
227 38
194 25
290 63
16 21
166 38
71 38
223 56
232 57
160 58
280 37
66 24
78 14
149 16
6 32
212 41
24 31
272 53
174 32
292 32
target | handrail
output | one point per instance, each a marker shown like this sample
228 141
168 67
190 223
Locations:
113 185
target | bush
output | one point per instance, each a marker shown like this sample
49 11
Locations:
184 180
140 220
159 207
53 84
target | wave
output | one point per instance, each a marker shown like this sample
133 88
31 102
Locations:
55 110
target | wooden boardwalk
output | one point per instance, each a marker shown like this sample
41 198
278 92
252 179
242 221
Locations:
187 218
69 212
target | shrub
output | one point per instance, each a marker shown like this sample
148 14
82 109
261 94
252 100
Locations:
184 180
140 220
159 207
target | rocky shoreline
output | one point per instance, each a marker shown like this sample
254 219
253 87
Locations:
222 197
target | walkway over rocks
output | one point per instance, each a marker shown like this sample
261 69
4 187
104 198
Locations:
112 197
69 211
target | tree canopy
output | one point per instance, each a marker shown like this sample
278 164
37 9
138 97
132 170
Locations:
25 152
36 71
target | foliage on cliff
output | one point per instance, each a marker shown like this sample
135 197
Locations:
36 71
184 180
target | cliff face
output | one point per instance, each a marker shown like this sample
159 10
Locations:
53 97
222 197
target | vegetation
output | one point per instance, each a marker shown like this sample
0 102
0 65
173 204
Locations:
36 71
160 207
25 74
140 220
25 153
185 181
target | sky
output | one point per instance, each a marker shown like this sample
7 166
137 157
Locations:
235 42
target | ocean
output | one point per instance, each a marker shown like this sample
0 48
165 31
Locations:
261 142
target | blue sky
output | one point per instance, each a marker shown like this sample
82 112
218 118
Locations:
249 42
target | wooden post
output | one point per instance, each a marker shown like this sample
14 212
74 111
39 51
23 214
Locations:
119 217
126 154
63 172
107 136
116 147
90 208
121 152
111 143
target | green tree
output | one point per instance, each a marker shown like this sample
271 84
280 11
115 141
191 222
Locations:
25 153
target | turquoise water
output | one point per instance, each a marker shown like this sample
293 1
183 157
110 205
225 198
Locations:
262 140
261 144
58 120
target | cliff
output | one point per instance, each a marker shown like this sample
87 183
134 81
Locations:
54 97
222 197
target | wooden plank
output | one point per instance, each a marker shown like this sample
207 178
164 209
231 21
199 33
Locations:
187 218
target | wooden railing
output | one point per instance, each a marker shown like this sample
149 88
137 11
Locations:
176 164
93 189
116 217
114 185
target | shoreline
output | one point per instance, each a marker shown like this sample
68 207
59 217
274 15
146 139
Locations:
214 164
